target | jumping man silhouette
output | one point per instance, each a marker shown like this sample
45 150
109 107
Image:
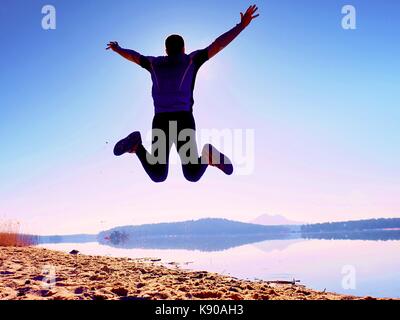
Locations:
173 78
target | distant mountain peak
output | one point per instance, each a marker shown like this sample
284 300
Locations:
274 220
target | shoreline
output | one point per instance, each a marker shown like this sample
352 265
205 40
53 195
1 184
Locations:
24 270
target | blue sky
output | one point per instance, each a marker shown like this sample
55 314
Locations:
323 101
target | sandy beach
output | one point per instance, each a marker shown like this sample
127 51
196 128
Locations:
31 273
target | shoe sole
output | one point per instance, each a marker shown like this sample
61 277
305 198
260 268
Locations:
127 144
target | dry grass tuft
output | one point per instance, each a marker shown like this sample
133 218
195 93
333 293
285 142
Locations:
11 236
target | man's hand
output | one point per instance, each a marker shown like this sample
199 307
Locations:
114 46
249 15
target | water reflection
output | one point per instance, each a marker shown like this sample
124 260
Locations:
317 263
382 235
212 243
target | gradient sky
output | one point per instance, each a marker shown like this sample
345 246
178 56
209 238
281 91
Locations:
323 101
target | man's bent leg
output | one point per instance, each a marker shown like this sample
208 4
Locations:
192 166
156 163
158 172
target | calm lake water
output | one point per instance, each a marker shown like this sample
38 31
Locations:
319 264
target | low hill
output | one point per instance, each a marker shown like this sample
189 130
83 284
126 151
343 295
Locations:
201 227
204 234
352 226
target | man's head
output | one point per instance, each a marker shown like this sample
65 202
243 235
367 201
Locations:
174 45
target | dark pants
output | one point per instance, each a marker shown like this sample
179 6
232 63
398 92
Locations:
172 124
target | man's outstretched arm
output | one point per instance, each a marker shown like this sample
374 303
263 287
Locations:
220 43
131 55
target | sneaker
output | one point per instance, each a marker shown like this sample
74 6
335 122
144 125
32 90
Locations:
217 159
128 145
